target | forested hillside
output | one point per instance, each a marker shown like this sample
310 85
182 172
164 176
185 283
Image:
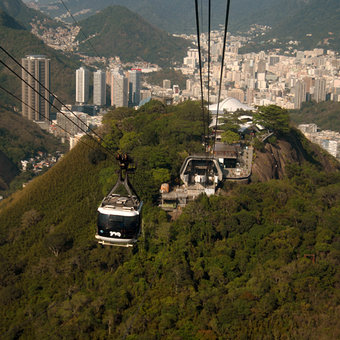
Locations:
235 266
23 14
20 139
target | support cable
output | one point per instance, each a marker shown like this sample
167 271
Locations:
4 64
44 87
51 121
200 66
222 66
76 22
209 57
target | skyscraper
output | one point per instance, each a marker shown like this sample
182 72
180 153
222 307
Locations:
39 67
119 88
82 85
134 87
299 94
99 88
320 90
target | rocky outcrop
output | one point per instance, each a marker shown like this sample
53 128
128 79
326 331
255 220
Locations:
270 163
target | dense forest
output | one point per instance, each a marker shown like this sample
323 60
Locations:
20 139
257 261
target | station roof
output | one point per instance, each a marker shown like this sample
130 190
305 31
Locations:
230 105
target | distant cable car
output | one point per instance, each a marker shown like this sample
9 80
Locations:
119 216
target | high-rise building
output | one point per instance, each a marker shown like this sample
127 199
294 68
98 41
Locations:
35 103
134 87
261 66
167 84
320 90
82 85
299 94
73 123
99 88
119 88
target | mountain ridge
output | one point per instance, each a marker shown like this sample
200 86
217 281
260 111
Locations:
284 17
118 31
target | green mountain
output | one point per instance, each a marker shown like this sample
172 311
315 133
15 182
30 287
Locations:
259 261
20 139
325 115
118 31
18 10
290 20
20 42
174 16
312 23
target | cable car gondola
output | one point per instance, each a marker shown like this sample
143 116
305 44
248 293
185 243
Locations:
119 216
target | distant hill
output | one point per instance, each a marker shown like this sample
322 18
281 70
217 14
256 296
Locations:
20 42
174 16
290 20
257 262
20 139
118 31
23 14
313 23
326 115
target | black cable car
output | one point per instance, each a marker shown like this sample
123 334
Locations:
119 216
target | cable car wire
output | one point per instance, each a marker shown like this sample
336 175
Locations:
209 57
106 149
222 68
51 121
76 22
44 98
200 66
50 92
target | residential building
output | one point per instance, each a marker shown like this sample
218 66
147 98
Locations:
99 88
119 88
166 84
82 85
134 87
35 102
299 94
320 90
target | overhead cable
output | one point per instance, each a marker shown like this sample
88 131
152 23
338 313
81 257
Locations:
48 101
46 89
50 120
222 68
200 66
76 22
209 57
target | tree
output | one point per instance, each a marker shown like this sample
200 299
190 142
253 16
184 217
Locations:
30 218
273 118
230 137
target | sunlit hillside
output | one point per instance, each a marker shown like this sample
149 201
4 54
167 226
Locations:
258 261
